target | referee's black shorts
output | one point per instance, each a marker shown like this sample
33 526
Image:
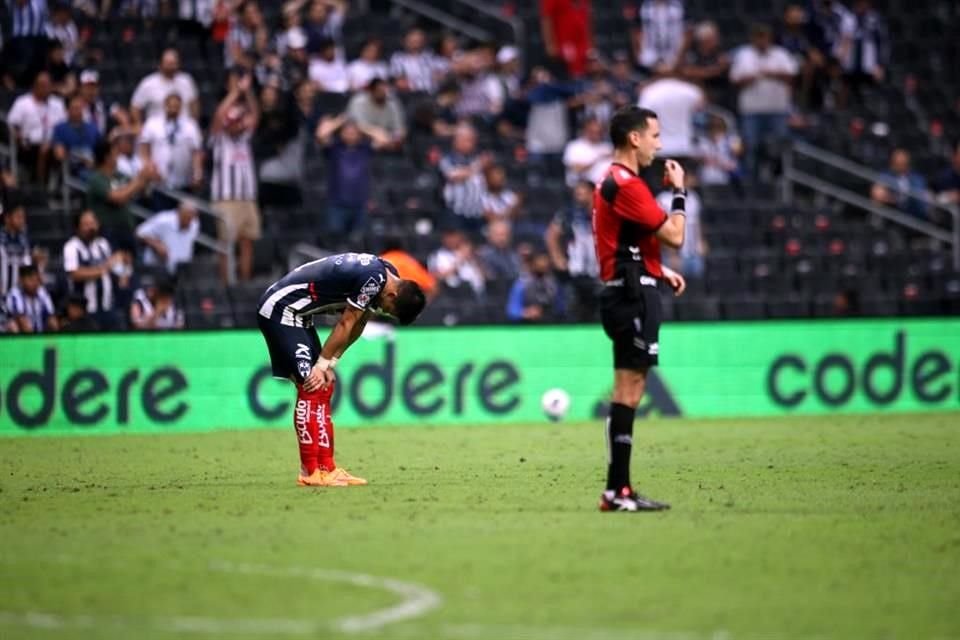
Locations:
293 350
632 322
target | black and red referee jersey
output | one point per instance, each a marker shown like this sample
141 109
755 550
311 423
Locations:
625 219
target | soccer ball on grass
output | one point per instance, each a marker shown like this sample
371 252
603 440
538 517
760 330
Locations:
555 404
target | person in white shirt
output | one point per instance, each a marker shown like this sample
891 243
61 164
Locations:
587 157
456 263
33 117
169 237
173 142
675 101
764 74
129 162
328 69
150 94
368 66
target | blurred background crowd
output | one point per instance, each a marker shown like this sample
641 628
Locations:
164 160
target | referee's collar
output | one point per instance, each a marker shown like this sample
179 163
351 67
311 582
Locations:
620 164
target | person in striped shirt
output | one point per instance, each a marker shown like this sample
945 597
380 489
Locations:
29 306
27 47
355 285
416 68
14 246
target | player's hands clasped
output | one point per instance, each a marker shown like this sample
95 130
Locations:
673 174
318 379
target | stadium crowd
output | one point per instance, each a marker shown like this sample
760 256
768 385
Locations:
468 113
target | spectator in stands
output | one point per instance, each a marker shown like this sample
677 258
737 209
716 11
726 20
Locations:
764 74
247 35
408 267
455 264
796 37
675 101
109 194
900 186
61 75
195 21
947 183
659 35
622 79
29 22
462 171
75 318
94 110
328 70
233 187
595 92
718 153
589 156
348 175
499 201
501 264
129 162
90 265
324 22
832 26
535 296
173 142
74 139
689 259
548 130
707 64
64 30
481 94
294 65
569 242
868 56
565 26
169 237
379 115
368 66
29 306
33 117
153 308
14 245
151 94
416 68
279 147
435 116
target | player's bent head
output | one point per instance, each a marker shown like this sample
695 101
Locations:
629 120
409 302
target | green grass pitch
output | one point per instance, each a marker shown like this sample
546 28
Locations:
827 528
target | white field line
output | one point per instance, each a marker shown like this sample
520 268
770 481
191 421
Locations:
416 600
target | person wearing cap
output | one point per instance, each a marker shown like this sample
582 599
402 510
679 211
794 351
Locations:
379 115
94 110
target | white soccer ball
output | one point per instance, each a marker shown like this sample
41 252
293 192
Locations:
555 403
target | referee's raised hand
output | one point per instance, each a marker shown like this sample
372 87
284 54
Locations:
673 174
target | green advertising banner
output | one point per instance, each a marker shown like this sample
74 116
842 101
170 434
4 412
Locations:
197 381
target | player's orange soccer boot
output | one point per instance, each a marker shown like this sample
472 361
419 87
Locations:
321 478
342 475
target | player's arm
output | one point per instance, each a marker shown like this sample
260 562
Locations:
672 231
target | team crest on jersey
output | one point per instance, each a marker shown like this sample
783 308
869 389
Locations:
303 367
371 287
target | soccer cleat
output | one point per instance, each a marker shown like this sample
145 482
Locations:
628 500
342 475
320 478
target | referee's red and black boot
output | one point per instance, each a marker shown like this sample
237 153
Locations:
626 499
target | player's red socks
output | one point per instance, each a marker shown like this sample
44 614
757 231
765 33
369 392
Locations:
325 439
307 428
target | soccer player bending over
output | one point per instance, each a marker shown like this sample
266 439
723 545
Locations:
359 285
629 226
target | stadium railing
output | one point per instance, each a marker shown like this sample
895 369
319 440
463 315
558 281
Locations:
819 160
8 148
502 24
203 207
442 17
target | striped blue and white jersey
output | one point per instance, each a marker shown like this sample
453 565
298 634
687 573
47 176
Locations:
325 286
38 308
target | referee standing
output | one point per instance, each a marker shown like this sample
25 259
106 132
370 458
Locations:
629 227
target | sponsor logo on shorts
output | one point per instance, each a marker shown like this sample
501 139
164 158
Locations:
300 418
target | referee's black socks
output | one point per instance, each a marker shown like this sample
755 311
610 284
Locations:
619 445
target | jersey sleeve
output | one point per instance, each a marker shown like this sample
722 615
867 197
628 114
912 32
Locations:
635 203
369 285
